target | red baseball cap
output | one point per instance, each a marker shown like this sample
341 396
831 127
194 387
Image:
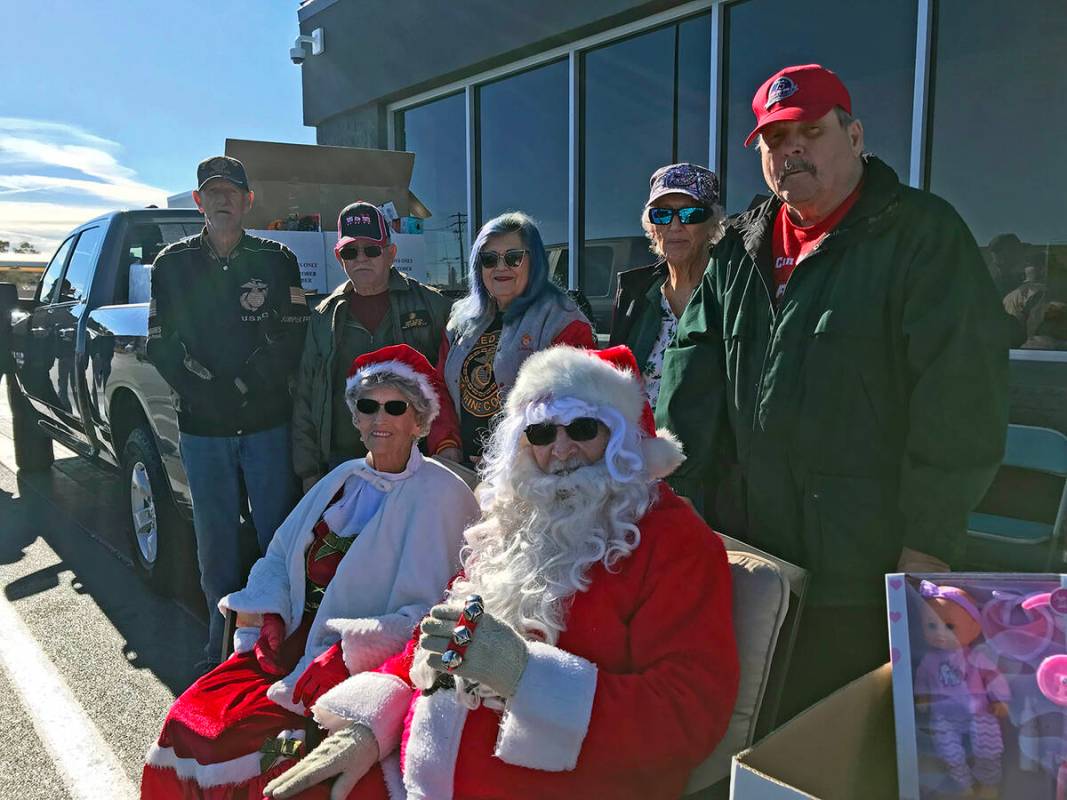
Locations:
801 93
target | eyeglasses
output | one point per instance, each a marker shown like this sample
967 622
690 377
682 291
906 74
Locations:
394 408
691 215
512 258
351 252
580 430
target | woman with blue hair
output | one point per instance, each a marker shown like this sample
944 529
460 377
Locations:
513 310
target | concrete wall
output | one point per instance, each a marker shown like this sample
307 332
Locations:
438 41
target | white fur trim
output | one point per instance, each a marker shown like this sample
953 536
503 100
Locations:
547 719
367 642
433 746
404 371
663 454
374 699
394 781
281 691
244 639
570 372
236 770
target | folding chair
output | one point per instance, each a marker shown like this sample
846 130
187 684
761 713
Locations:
1021 522
768 598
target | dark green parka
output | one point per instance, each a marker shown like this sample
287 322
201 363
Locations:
867 413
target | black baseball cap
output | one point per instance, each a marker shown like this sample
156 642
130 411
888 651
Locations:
224 167
361 220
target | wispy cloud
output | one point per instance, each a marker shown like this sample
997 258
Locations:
39 206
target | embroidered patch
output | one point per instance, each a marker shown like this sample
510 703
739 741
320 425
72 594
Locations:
416 319
152 307
526 340
254 294
781 89
297 296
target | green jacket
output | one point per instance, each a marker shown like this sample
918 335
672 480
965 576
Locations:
417 317
867 413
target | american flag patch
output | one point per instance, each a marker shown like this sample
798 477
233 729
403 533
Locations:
297 296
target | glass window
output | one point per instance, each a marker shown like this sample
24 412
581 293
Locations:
522 146
75 284
54 270
871 46
644 105
436 134
996 152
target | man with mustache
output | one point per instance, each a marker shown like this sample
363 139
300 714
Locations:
839 379
586 649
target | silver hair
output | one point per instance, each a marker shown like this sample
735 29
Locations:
843 117
715 230
412 393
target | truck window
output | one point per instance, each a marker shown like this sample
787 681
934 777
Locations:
75 283
54 270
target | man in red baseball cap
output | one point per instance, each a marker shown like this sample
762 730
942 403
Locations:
839 379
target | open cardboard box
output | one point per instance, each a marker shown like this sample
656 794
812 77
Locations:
839 749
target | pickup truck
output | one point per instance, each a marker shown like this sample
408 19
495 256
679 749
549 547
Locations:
77 374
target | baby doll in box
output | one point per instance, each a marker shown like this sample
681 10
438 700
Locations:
959 693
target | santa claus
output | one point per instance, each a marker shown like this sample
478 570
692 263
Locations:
586 650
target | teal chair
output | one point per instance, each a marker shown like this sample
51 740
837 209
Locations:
1020 524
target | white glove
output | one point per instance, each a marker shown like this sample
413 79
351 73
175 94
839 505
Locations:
349 753
244 639
495 658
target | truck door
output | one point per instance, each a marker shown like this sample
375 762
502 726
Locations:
32 340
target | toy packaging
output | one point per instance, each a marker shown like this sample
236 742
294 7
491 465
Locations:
979 685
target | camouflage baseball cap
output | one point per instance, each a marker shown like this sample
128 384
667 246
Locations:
224 167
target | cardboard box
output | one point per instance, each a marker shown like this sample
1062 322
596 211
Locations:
305 181
839 749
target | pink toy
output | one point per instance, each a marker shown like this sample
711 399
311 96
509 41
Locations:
1052 681
955 685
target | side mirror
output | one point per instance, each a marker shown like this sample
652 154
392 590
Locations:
9 301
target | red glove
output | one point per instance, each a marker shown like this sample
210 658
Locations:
322 674
269 647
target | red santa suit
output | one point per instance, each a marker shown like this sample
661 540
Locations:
638 690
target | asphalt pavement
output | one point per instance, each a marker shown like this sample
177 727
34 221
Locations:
90 659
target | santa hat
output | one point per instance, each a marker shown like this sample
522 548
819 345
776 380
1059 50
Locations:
400 360
598 378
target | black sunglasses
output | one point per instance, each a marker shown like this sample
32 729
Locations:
489 258
394 408
351 252
691 215
581 430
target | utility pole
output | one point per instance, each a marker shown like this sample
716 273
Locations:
459 221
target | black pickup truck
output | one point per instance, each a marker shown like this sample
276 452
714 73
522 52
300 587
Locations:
77 374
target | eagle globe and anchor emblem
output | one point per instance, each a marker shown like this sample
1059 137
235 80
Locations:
254 294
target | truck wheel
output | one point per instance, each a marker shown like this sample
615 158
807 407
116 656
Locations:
156 527
33 447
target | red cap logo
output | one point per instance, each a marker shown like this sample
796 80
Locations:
798 94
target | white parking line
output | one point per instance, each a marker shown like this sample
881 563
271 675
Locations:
86 764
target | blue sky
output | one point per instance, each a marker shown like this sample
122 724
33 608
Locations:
112 103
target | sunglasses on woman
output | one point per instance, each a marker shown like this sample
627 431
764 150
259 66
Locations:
690 215
394 408
512 258
582 429
351 252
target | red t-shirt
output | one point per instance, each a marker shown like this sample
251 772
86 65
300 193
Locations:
369 310
791 242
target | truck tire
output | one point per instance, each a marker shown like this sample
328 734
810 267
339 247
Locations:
156 529
33 447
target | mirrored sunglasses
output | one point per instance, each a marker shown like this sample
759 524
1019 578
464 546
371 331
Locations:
581 430
512 258
394 408
690 215
351 252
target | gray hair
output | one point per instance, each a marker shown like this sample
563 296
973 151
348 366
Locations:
843 117
420 406
718 216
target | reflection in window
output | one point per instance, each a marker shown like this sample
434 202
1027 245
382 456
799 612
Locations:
54 270
522 145
993 129
80 269
644 105
877 69
436 134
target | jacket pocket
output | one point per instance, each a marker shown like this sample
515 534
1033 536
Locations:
852 530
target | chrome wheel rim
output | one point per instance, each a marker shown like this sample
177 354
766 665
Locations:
143 506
